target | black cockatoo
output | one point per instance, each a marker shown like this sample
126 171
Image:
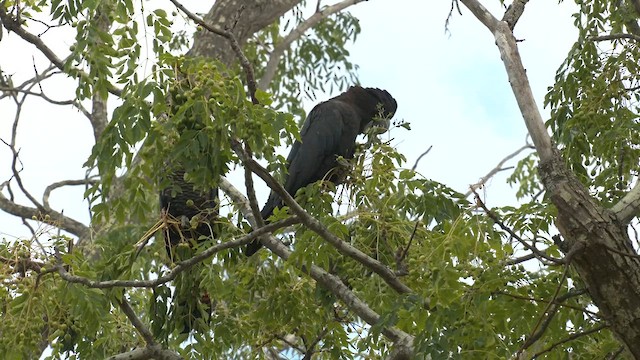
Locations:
330 131
191 216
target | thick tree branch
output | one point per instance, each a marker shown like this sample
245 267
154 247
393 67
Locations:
629 206
312 223
155 352
402 340
513 13
180 267
517 74
295 34
55 218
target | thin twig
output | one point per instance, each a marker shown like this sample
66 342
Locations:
496 169
251 194
570 338
497 221
415 165
59 184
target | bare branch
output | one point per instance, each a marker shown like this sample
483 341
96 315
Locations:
482 14
54 218
629 206
496 169
415 165
59 184
14 25
295 34
615 37
251 195
518 260
137 323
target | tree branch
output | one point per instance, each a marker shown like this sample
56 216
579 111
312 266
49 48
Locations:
14 26
137 323
55 218
180 267
629 206
312 223
401 339
295 34
495 170
513 13
59 184
147 353
506 43
615 37
235 46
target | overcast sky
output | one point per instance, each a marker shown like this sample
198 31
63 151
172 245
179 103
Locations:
451 87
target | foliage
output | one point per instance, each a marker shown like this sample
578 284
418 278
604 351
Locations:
316 62
474 296
594 101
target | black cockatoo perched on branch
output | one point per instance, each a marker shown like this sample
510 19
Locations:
329 132
191 216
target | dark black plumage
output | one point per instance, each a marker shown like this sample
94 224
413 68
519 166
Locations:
181 202
329 131
191 216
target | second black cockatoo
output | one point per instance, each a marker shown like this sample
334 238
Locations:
329 132
191 216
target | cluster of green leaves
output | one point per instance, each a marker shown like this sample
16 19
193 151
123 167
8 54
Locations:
202 111
106 45
317 61
594 102
73 319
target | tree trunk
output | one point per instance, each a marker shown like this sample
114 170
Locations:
242 19
599 248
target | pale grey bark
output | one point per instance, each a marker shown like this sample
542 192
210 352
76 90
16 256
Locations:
595 241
